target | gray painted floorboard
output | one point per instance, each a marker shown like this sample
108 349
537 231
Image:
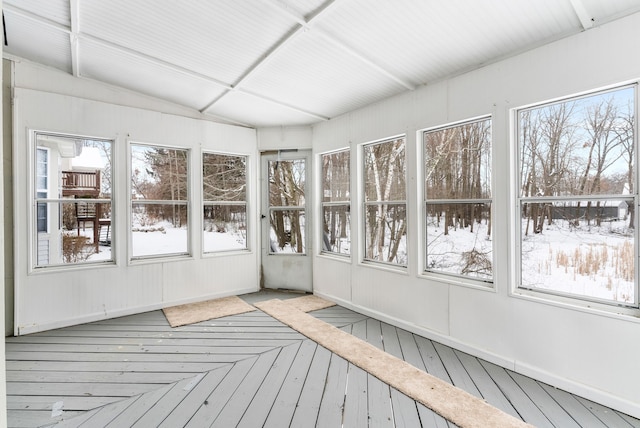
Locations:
250 370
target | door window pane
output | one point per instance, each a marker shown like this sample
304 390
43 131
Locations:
287 189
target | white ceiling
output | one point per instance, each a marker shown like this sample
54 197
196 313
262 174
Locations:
286 62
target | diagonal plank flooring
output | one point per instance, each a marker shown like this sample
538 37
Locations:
250 370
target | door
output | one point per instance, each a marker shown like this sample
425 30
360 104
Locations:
286 220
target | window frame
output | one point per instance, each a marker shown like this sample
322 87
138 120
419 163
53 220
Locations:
343 203
60 201
245 203
556 297
362 229
187 203
45 190
458 279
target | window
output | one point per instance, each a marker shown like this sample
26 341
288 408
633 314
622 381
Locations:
72 190
224 190
577 187
457 197
159 201
42 187
336 196
287 202
385 206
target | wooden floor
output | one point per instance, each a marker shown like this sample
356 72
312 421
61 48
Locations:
250 370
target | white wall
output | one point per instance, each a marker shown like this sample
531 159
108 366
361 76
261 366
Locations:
587 352
53 297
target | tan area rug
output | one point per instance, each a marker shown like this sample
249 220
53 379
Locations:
450 402
308 303
203 311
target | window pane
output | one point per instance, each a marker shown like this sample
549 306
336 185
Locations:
78 170
158 173
384 170
159 229
579 147
459 239
286 183
385 234
287 234
335 177
79 232
458 162
583 248
224 177
225 228
336 236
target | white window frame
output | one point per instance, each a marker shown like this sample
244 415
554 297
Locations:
57 199
362 243
458 279
151 258
346 203
553 297
245 203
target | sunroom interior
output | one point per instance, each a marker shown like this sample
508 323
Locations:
461 170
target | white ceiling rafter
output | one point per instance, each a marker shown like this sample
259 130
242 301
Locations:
307 24
586 19
303 25
74 13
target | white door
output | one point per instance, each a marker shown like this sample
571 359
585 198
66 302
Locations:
286 220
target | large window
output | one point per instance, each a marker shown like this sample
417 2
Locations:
385 205
577 189
224 190
457 192
336 196
159 201
72 193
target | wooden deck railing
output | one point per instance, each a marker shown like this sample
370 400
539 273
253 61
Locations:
78 183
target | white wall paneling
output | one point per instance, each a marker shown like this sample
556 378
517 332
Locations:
582 350
54 297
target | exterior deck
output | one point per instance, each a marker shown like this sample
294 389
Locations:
251 370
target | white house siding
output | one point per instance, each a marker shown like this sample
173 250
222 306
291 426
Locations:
585 351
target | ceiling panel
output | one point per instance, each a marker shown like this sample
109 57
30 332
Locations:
603 11
314 75
220 38
54 10
42 44
128 71
304 8
424 41
248 109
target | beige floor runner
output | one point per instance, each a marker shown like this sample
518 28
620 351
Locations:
203 311
309 303
450 402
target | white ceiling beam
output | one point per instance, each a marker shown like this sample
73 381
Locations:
586 19
74 12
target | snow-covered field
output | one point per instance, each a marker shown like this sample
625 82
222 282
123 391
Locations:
590 261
